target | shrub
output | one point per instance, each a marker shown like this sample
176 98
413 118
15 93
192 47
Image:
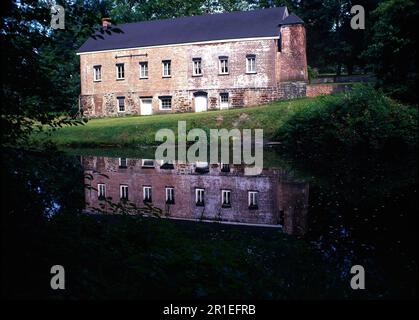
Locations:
362 119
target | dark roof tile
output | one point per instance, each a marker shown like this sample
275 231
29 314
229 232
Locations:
208 27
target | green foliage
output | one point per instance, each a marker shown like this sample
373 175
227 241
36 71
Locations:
313 73
360 119
392 51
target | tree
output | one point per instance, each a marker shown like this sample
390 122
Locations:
392 51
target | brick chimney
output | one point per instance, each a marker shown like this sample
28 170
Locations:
106 22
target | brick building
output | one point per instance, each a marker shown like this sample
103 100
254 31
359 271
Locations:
198 191
193 64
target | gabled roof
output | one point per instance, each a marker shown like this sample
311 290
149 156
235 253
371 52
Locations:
208 27
292 19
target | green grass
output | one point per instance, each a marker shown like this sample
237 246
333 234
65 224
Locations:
131 131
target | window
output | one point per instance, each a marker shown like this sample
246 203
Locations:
121 104
143 70
225 167
122 162
281 217
123 189
170 195
223 62
199 197
167 165
166 68
120 71
201 167
226 198
165 103
148 163
147 194
196 64
250 63
97 73
224 104
101 191
253 199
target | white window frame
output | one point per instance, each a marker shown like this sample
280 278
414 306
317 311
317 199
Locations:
199 195
197 67
251 64
118 72
144 70
97 73
223 65
166 68
226 197
170 195
147 194
161 103
123 192
223 94
143 163
252 198
126 162
119 103
101 190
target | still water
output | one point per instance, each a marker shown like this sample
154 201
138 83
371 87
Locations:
357 211
350 211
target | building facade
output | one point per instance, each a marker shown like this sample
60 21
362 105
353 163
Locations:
198 191
193 64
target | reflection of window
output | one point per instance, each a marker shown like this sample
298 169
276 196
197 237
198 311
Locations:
123 192
197 70
121 104
170 195
167 65
147 194
148 163
167 165
226 198
253 199
144 70
225 167
281 217
120 71
122 162
201 167
251 63
101 191
97 73
223 64
199 197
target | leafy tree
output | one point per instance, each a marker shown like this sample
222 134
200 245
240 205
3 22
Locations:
40 71
392 51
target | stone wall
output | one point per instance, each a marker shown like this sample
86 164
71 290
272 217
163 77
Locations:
279 75
183 100
314 90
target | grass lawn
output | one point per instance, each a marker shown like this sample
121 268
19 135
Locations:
132 131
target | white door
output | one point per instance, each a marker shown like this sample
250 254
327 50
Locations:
146 107
201 103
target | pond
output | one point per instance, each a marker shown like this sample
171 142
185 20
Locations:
350 211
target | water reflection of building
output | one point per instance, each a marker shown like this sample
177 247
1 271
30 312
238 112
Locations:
200 191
